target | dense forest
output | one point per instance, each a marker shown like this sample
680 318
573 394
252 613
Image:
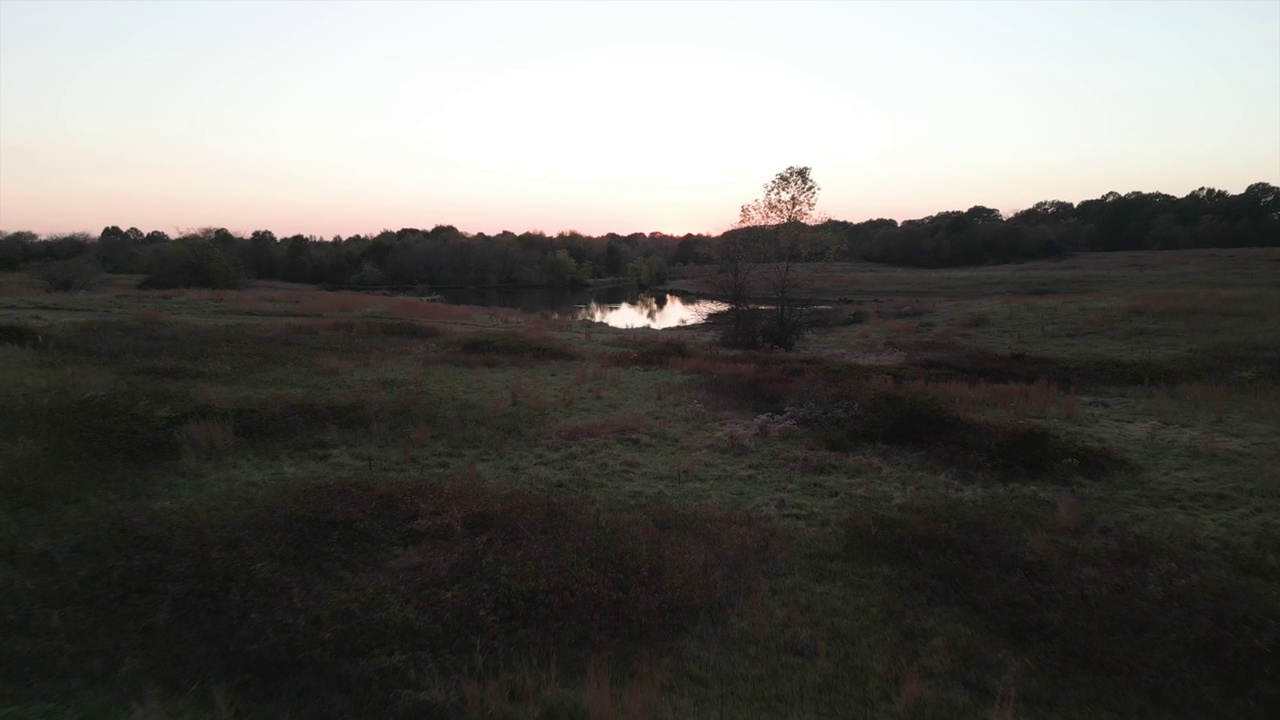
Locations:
445 256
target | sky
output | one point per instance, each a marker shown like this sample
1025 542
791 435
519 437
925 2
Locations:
337 118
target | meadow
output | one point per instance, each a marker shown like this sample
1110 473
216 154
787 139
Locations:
1046 490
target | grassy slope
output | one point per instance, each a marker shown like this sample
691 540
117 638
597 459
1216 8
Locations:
1049 490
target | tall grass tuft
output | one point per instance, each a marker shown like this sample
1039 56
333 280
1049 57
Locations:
208 437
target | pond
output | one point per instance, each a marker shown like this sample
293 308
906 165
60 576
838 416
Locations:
651 311
619 306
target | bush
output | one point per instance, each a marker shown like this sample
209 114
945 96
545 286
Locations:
21 336
738 327
195 263
73 275
13 249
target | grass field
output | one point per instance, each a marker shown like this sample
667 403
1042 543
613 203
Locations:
1040 491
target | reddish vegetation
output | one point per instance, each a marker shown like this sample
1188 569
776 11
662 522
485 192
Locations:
435 311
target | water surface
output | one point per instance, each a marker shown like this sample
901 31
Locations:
651 311
620 306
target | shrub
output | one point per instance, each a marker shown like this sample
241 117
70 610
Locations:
73 275
13 249
195 262
21 336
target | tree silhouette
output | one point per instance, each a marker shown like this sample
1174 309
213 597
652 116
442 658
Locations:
764 258
791 197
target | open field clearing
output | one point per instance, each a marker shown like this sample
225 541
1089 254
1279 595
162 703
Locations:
1048 490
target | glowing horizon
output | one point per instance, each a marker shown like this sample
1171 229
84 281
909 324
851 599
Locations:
339 118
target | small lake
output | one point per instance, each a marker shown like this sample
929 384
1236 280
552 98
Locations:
618 306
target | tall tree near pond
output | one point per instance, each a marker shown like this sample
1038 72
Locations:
766 261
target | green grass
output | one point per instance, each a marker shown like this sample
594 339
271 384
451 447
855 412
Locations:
1059 503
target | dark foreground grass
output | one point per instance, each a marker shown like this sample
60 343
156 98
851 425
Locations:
371 599
1167 623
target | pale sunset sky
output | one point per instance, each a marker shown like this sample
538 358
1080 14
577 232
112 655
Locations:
342 117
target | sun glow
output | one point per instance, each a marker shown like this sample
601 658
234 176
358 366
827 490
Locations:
336 118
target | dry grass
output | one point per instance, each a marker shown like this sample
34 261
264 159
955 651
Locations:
1214 397
616 425
151 316
517 390
900 327
207 438
716 367
1209 443
1020 401
434 311
911 691
1185 302
1069 514
1071 407
1005 707
641 698
419 435
317 302
334 366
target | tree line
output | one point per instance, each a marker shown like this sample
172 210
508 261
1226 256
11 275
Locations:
445 256
1204 218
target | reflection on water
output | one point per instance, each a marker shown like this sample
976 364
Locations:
649 311
621 306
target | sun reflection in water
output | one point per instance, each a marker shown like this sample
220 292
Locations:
648 311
